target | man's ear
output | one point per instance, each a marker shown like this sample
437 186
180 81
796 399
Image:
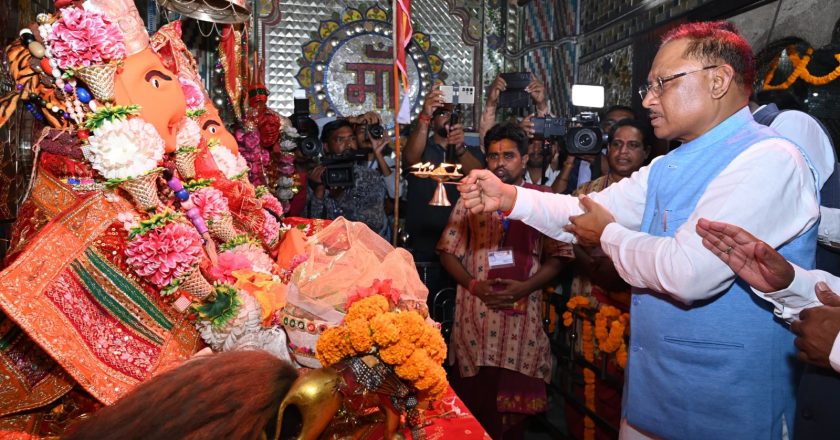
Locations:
722 79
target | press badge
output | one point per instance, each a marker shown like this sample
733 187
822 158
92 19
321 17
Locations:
501 258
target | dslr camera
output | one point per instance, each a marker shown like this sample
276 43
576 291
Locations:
375 131
581 134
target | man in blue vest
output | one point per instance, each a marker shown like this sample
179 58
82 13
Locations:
707 359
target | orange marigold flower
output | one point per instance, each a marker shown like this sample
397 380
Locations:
330 347
432 342
411 326
385 331
414 367
360 338
366 308
397 353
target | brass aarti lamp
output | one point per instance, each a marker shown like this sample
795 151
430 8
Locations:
443 173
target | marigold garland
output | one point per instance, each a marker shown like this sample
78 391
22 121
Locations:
401 339
609 331
588 379
800 70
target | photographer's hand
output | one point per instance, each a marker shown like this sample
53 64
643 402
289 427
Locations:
562 181
527 125
537 91
378 147
433 101
456 135
496 88
316 177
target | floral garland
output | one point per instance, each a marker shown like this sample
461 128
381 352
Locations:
401 339
800 70
588 347
288 183
610 341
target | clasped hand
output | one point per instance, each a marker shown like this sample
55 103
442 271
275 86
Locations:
500 299
589 226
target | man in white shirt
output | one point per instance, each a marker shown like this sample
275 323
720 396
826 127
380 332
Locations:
697 338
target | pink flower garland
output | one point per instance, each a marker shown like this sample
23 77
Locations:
165 254
83 38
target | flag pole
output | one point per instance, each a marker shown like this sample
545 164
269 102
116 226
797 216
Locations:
397 149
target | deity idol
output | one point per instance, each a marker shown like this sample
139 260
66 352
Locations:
107 282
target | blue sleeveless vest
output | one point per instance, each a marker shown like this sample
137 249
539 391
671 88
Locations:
722 368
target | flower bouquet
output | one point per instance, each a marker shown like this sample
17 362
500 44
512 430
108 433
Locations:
213 206
89 45
126 150
389 357
166 252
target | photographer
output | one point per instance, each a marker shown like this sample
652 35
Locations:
361 200
425 223
488 118
372 137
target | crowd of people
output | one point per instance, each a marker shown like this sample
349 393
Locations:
637 238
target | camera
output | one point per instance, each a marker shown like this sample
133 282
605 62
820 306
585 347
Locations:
310 146
376 131
514 95
339 169
308 142
456 94
581 134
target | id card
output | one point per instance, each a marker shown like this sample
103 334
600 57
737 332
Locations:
501 258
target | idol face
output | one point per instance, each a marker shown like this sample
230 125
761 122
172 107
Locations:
212 127
143 80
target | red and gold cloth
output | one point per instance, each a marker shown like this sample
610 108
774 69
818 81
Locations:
73 314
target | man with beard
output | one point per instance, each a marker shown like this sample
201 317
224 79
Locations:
498 343
360 202
424 223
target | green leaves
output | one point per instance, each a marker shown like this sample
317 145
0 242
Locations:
223 309
111 113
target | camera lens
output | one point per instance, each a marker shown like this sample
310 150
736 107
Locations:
310 146
376 131
584 139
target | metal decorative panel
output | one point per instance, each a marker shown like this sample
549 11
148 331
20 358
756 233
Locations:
614 71
300 22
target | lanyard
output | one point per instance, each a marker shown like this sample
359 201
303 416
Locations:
505 226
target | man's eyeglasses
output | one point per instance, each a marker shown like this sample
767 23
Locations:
656 89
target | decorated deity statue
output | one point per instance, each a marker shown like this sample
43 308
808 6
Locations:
253 209
120 262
